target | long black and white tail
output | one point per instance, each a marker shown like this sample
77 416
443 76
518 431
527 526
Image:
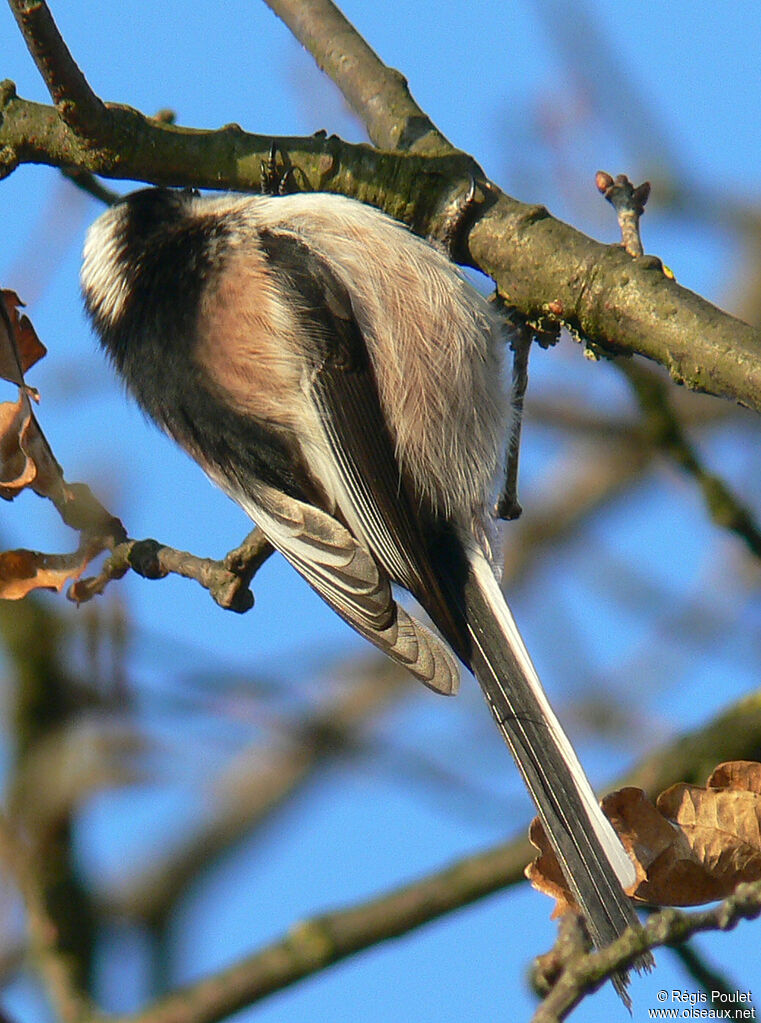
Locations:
589 852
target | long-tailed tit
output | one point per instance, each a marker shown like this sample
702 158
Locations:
342 382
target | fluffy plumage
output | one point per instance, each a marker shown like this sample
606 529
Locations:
341 381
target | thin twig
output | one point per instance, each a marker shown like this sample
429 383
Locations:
315 944
558 412
252 787
629 203
75 101
592 478
588 972
319 942
89 183
227 580
661 422
666 434
379 95
704 975
508 506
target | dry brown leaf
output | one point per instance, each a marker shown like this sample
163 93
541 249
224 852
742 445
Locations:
20 347
25 455
668 871
22 571
544 871
26 460
694 845
49 481
722 825
743 775
17 470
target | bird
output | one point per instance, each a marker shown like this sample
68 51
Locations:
342 381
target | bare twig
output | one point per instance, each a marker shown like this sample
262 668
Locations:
586 973
75 101
629 204
666 434
378 94
736 734
81 510
315 944
227 580
507 506
557 411
577 302
661 422
593 477
56 968
89 183
704 975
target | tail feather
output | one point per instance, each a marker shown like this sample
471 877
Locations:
589 852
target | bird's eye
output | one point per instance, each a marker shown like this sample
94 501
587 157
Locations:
191 193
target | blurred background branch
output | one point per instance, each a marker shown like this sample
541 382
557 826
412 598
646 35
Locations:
179 773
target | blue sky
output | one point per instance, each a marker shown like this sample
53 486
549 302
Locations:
501 86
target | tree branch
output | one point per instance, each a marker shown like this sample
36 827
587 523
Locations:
586 973
75 101
324 940
321 941
317 943
227 580
378 94
623 305
255 784
704 975
661 423
409 187
666 433
626 306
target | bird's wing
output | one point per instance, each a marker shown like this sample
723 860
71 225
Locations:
379 535
350 579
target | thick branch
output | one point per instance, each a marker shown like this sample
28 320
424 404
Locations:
378 94
409 187
622 304
315 945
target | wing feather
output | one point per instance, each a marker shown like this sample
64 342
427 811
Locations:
357 587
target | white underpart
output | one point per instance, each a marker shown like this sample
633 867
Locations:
607 837
104 286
